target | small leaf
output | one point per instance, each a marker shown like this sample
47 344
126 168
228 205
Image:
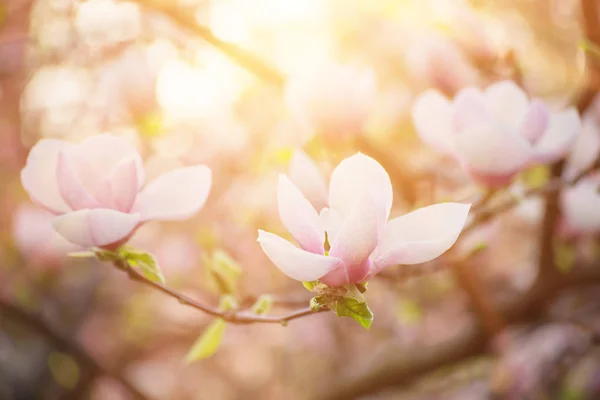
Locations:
82 254
310 285
319 301
536 177
145 262
64 370
225 270
106 255
409 311
357 310
362 287
208 343
263 304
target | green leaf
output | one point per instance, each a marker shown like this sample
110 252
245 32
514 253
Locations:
310 285
355 309
225 270
319 301
263 304
208 343
362 287
64 370
409 311
228 302
145 262
106 255
536 177
564 257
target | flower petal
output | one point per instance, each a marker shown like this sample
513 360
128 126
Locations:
468 110
508 103
420 236
98 227
308 178
294 262
119 190
491 150
331 221
432 117
299 216
97 155
560 135
356 176
175 195
71 189
39 175
357 238
585 150
535 122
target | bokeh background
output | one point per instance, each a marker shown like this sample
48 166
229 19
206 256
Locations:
206 81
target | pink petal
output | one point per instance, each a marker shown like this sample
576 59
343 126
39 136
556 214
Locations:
331 221
432 117
508 103
71 189
39 175
468 110
119 190
307 176
357 238
581 205
99 227
560 135
356 176
585 150
420 236
299 216
492 151
96 156
535 122
175 195
296 263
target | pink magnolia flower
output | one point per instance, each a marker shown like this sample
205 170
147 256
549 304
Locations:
332 99
362 240
494 133
307 176
94 188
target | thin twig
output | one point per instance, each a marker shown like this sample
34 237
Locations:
37 323
232 316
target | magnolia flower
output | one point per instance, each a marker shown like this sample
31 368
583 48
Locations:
94 189
362 240
307 177
332 99
494 133
585 150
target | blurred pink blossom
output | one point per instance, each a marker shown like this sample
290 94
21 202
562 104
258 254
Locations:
332 99
580 206
35 238
494 133
362 241
94 188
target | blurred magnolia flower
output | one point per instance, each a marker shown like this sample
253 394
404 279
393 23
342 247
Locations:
35 238
332 99
362 241
94 188
585 150
494 133
107 22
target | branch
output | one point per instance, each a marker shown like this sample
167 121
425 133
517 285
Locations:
232 316
185 20
402 366
36 323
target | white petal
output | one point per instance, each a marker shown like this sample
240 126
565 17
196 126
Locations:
307 176
581 205
119 189
508 103
355 177
585 150
432 117
176 195
535 122
98 227
468 110
331 221
299 216
491 150
39 175
562 132
357 236
294 262
421 235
